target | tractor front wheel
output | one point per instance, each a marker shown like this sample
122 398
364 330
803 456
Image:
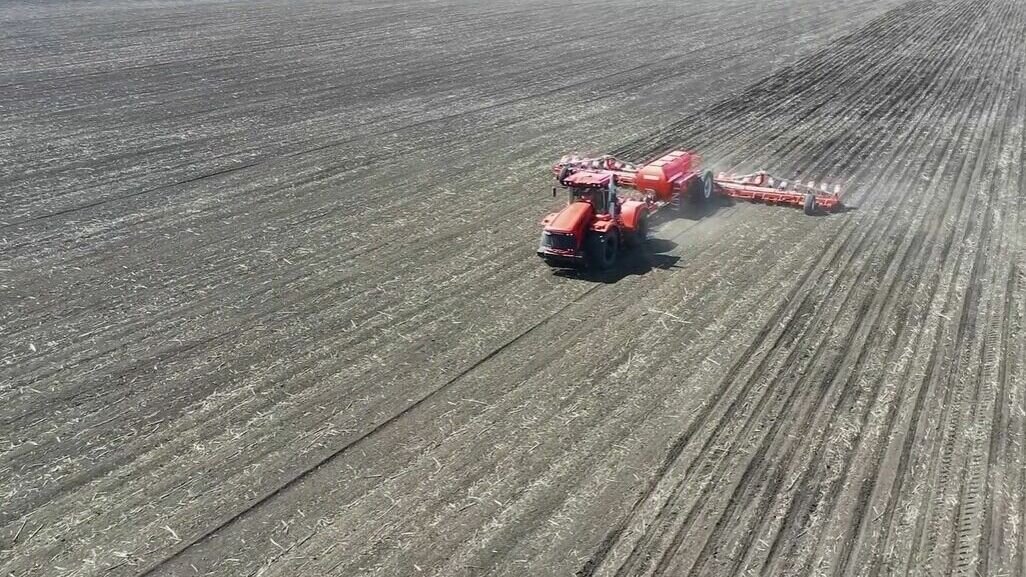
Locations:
602 249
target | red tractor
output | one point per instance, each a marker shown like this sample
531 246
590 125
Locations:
610 202
598 221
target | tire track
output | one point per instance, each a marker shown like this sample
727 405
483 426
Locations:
302 150
948 449
746 355
905 256
899 468
761 469
874 473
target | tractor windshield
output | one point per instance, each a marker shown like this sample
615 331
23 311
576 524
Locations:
596 196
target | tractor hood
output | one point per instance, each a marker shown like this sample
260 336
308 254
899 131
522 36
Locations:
569 219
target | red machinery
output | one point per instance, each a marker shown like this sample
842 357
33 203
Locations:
761 187
598 220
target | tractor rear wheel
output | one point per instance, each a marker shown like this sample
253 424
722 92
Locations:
602 249
810 204
640 234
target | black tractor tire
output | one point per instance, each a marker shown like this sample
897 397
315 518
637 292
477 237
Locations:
602 249
708 186
702 188
810 204
640 234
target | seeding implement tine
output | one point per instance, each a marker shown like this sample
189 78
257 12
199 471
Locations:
761 187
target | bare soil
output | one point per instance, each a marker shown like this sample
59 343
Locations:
269 303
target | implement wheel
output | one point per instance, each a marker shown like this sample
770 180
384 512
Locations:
702 188
707 186
810 204
602 249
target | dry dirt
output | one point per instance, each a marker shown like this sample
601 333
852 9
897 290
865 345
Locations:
269 303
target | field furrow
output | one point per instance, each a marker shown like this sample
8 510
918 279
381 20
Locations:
269 303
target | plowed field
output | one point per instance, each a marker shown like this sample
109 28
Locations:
269 303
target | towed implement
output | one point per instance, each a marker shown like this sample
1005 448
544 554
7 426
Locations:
761 187
610 202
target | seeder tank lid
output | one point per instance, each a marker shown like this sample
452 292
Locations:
588 178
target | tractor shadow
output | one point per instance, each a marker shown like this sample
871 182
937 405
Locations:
843 209
698 211
693 211
701 210
839 210
637 260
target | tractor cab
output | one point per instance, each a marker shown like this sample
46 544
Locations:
596 188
